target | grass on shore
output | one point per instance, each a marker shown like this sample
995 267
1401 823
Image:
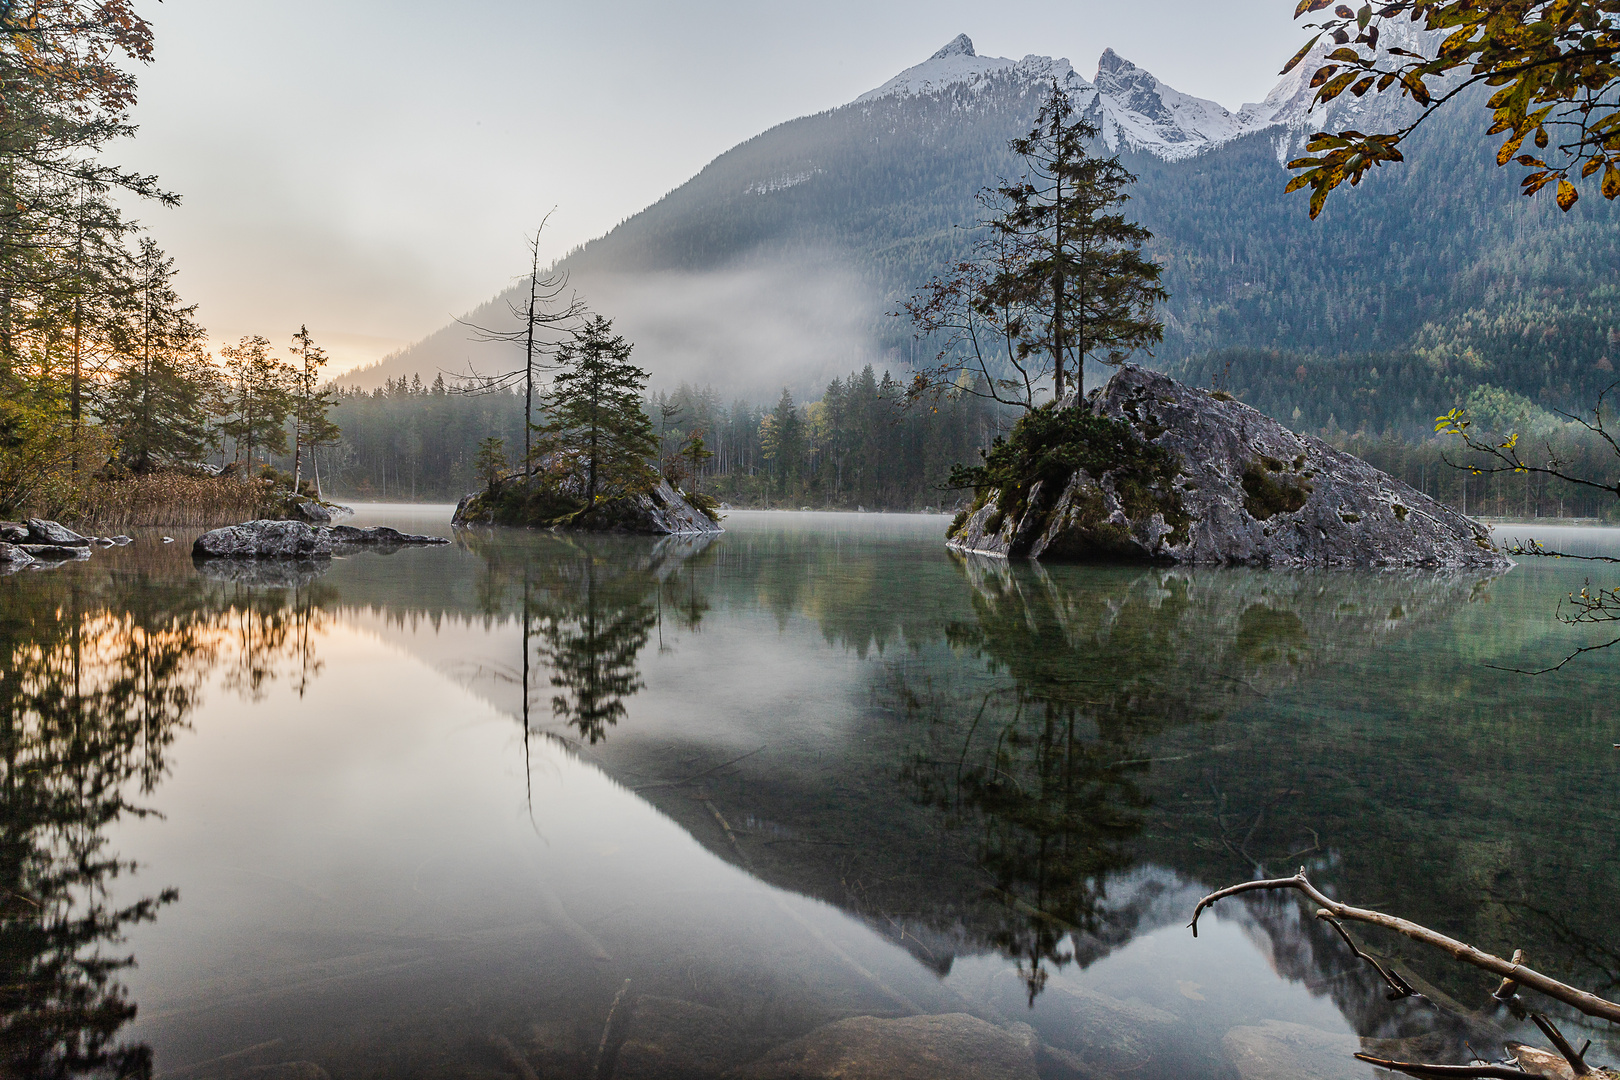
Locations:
172 500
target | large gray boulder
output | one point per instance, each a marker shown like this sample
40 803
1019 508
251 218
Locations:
298 540
1247 491
264 540
49 532
1278 1050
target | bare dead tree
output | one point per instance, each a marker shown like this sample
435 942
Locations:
545 322
1513 973
980 328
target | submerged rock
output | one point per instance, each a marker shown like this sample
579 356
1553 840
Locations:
1277 1050
662 511
1247 492
953 1046
49 532
296 540
671 1039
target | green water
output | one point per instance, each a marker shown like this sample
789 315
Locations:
431 812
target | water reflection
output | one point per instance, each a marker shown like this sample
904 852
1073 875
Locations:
1013 775
586 610
98 675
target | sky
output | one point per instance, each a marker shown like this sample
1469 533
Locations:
369 168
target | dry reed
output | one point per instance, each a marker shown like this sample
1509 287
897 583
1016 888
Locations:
170 500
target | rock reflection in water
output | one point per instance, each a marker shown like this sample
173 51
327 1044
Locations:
99 672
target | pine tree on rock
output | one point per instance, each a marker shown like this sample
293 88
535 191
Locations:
597 421
1057 277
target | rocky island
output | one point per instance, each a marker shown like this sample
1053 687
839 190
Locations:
298 540
660 510
1195 476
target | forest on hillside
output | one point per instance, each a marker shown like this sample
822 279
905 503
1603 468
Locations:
860 444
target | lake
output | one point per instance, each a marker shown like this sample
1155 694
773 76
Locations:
545 806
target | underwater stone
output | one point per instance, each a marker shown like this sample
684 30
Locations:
1277 1050
952 1046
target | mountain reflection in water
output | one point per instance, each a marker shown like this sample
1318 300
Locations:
1010 783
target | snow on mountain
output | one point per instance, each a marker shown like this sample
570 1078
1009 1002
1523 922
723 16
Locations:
1134 110
956 63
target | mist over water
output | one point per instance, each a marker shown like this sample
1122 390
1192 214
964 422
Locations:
748 330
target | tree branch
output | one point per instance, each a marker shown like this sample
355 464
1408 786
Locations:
1580 1000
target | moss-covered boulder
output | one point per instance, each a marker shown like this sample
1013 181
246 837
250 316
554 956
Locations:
1204 479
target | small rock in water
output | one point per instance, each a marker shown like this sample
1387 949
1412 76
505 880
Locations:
311 511
953 1046
168 539
1277 1050
13 533
121 539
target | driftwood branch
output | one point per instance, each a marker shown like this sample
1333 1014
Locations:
1445 1072
1561 1044
1580 1000
1398 987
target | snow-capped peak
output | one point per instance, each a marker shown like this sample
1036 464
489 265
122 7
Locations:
955 64
960 45
1134 110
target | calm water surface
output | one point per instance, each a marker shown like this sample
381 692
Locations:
617 807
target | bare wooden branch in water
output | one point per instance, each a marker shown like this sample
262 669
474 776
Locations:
1561 1044
597 1072
1445 1072
1580 1000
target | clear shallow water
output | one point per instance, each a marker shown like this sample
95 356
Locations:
433 811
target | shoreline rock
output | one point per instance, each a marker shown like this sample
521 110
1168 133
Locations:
266 539
1248 492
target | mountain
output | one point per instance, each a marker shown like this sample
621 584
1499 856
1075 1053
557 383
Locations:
776 265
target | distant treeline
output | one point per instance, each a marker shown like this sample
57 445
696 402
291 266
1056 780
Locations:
859 445
1382 407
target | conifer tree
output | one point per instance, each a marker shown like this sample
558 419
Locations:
596 416
259 396
159 397
1086 276
311 402
1058 276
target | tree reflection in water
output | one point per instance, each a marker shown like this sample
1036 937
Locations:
100 670
1044 775
587 607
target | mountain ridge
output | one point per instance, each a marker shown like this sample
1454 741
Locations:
777 263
